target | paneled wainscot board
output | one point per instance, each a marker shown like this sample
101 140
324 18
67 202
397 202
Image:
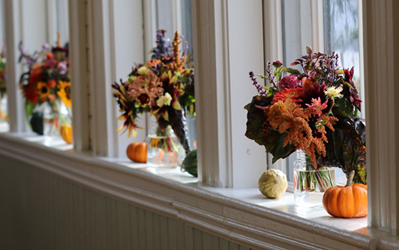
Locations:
52 199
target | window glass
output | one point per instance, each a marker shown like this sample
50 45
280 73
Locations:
297 34
165 17
175 15
3 95
341 34
62 18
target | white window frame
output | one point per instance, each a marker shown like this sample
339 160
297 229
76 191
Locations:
213 49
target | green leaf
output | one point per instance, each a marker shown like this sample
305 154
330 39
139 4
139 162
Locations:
29 107
262 76
270 91
255 119
275 142
292 71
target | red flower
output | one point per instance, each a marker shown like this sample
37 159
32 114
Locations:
31 93
289 82
36 73
294 94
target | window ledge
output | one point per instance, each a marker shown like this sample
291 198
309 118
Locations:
243 216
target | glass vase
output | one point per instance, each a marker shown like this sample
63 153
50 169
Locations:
3 108
309 183
47 117
163 148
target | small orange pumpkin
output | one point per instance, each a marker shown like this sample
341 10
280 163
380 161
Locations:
66 133
137 151
348 201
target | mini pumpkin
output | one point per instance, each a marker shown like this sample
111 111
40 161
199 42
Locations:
66 133
348 201
137 151
273 183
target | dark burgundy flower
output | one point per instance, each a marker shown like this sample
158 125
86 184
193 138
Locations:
289 82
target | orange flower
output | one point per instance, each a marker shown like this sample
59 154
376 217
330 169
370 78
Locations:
51 83
294 94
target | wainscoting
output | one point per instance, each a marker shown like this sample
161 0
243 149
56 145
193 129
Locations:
39 210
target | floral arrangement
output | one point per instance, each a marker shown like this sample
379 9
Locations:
47 79
3 111
164 86
2 74
313 109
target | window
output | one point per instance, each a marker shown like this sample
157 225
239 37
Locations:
228 158
340 33
3 93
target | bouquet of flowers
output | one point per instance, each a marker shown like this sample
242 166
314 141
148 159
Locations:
2 75
3 112
313 109
46 81
164 86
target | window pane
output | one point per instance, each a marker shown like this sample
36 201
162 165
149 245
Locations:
62 18
175 15
341 34
3 95
296 36
165 17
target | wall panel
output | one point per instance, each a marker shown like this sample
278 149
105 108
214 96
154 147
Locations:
39 210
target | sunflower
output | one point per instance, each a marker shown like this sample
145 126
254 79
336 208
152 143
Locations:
65 93
44 90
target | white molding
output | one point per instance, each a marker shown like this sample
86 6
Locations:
176 16
80 76
381 54
13 26
251 225
361 58
223 60
51 9
317 25
273 31
102 75
150 26
273 46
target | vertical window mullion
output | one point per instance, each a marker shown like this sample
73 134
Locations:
79 66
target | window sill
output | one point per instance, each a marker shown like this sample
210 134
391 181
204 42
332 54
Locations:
243 216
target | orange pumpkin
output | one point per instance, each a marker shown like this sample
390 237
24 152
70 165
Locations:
348 201
66 133
137 151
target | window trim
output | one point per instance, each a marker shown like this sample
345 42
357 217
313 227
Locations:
382 149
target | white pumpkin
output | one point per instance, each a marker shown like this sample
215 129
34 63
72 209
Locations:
273 183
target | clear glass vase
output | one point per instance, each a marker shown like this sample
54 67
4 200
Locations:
3 108
163 148
47 118
309 183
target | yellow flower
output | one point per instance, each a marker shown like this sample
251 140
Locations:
143 70
65 93
333 92
164 100
43 89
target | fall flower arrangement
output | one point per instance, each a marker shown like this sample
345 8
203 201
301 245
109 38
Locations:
46 81
3 112
313 109
164 86
2 75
